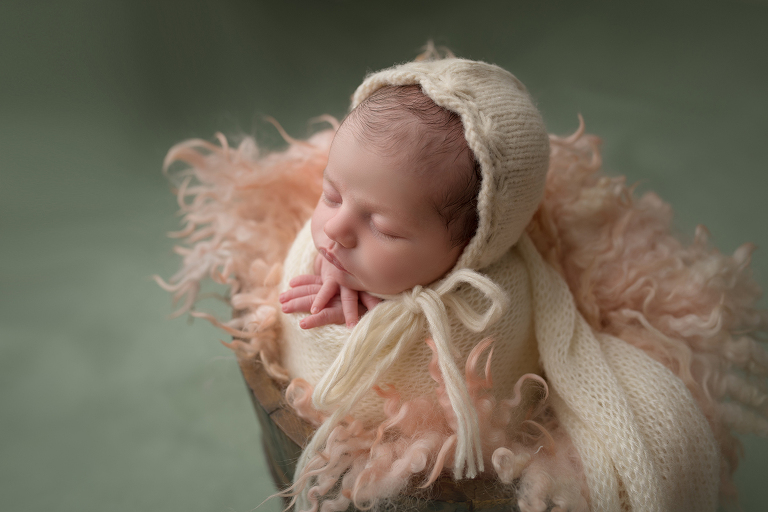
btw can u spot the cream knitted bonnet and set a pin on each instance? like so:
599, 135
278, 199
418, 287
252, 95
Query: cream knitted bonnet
504, 130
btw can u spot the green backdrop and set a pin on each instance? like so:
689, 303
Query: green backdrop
106, 405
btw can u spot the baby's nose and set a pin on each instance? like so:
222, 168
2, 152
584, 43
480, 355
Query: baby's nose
340, 231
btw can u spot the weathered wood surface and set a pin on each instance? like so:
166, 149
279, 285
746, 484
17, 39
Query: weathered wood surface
284, 434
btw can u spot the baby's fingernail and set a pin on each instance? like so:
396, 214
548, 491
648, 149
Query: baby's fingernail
303, 324
313, 309
285, 308
350, 325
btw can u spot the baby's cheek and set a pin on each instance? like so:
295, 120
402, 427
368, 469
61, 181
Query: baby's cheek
391, 269
392, 273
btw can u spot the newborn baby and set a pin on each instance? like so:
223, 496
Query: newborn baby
399, 204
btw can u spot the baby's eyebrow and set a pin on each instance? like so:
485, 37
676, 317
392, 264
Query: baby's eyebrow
363, 202
330, 180
371, 206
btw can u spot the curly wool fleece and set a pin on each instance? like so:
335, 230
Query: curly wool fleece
690, 310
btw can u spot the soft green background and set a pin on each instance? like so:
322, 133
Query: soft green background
108, 406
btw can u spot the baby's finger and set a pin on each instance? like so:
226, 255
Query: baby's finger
299, 305
368, 300
349, 306
299, 291
305, 279
325, 317
326, 293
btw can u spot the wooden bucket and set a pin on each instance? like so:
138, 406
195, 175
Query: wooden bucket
284, 435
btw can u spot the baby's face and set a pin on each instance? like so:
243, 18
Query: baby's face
375, 221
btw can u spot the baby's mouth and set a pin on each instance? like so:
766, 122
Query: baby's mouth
332, 259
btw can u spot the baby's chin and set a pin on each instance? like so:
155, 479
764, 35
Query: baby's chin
354, 283
348, 280
381, 289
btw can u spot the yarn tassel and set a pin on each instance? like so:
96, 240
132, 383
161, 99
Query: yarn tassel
383, 335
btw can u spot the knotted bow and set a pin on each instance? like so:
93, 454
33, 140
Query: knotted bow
385, 333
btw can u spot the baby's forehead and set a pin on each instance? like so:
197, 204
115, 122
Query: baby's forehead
407, 138
415, 148
400, 146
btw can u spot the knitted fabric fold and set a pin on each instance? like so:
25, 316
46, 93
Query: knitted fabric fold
624, 411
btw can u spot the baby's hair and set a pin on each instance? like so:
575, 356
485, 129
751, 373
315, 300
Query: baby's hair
387, 120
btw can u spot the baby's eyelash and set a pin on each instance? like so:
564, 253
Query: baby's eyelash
327, 200
381, 235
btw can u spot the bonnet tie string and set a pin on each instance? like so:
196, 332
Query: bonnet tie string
385, 333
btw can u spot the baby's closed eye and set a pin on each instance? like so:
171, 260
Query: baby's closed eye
381, 233
331, 199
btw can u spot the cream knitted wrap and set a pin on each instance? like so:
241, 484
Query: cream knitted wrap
643, 441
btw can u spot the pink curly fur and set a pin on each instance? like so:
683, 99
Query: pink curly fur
689, 307
241, 211
416, 442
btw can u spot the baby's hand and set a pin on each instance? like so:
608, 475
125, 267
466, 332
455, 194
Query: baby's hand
327, 302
